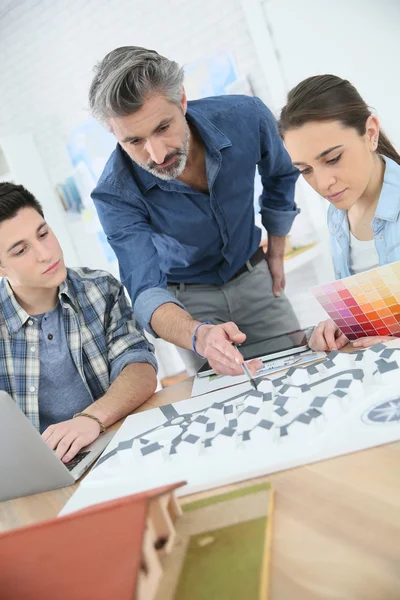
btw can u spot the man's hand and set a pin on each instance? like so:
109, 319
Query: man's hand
275, 265
366, 342
215, 343
327, 336
68, 437
274, 257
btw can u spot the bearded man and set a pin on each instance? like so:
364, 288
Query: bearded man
176, 201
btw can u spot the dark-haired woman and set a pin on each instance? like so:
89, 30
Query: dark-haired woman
337, 144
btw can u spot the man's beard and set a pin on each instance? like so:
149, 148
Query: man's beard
177, 167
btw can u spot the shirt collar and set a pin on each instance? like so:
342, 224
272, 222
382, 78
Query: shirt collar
214, 140
15, 316
388, 207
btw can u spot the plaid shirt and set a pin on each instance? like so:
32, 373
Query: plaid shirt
100, 328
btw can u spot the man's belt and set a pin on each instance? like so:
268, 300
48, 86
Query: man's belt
257, 257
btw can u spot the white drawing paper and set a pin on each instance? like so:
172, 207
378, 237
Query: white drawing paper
346, 403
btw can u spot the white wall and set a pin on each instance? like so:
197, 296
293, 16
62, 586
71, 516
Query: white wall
355, 39
48, 49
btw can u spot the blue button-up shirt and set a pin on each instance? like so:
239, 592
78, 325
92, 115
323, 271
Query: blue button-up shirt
167, 231
385, 225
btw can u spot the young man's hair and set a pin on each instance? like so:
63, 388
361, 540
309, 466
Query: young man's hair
13, 198
127, 76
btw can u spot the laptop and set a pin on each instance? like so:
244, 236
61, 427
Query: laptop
27, 463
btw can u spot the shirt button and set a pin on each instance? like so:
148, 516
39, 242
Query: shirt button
50, 336
32, 388
378, 220
33, 349
30, 322
340, 235
381, 237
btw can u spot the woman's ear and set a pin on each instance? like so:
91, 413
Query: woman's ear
372, 132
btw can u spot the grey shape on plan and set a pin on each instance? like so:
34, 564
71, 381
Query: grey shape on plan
308, 416
312, 370
228, 410
228, 431
253, 410
281, 400
319, 401
283, 431
169, 411
281, 411
150, 449
385, 367
328, 364
339, 393
201, 419
284, 388
265, 424
387, 353
191, 439
343, 383
126, 445
377, 348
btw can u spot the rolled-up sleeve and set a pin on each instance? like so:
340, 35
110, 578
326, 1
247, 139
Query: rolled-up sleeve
125, 223
148, 301
277, 206
126, 342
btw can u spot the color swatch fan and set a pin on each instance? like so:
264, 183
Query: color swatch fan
365, 304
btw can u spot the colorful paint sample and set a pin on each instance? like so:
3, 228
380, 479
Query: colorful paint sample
365, 304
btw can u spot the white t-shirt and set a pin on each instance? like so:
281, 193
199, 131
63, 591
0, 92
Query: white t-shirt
363, 255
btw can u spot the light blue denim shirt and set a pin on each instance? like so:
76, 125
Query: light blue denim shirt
385, 225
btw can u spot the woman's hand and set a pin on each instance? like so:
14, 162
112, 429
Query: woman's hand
366, 342
327, 336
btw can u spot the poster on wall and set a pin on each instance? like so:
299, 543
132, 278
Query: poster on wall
89, 147
214, 76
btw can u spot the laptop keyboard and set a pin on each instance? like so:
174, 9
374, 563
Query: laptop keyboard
76, 460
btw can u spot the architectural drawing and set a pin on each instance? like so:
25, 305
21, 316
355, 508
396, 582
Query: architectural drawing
346, 403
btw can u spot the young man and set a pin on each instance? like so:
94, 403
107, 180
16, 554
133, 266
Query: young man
71, 354
176, 202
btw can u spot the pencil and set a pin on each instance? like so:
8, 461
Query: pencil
247, 372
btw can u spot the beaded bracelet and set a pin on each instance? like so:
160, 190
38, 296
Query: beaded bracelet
85, 414
194, 337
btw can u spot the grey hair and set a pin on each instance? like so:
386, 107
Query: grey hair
127, 76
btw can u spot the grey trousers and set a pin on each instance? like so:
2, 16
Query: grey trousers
247, 300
